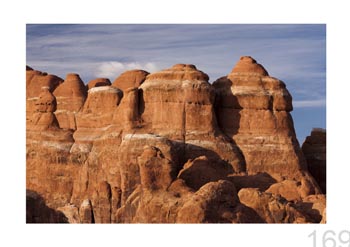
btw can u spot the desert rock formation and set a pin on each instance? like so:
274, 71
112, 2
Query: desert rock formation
130, 78
166, 147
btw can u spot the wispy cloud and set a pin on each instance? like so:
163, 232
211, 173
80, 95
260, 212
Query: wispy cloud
114, 68
309, 103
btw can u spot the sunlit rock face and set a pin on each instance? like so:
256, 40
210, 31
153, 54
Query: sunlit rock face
166, 147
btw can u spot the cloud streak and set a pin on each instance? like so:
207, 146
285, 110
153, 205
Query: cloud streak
309, 103
114, 68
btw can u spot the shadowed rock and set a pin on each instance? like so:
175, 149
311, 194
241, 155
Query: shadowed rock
314, 149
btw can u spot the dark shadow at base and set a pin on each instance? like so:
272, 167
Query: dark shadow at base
38, 212
261, 181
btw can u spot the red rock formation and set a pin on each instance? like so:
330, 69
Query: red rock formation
130, 79
253, 109
314, 206
70, 96
35, 81
168, 148
248, 65
271, 208
99, 82
178, 103
201, 171
210, 204
48, 147
314, 149
43, 118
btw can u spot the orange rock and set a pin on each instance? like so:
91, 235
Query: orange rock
212, 203
200, 171
70, 96
156, 171
168, 147
248, 65
179, 103
85, 212
71, 212
130, 78
315, 207
35, 80
98, 82
293, 190
43, 118
253, 109
272, 209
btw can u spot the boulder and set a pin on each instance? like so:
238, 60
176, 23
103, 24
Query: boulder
200, 171
212, 203
271, 208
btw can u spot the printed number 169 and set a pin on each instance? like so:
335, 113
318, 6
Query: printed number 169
331, 238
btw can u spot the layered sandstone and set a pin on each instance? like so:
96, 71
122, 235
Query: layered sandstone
70, 96
168, 147
35, 81
178, 103
254, 110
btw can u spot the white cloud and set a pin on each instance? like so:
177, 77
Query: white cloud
309, 103
114, 68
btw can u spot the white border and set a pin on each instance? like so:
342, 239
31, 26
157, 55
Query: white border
15, 14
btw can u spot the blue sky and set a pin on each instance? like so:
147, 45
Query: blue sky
295, 54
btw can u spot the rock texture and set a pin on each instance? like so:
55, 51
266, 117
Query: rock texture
314, 149
130, 79
253, 109
98, 82
70, 96
166, 147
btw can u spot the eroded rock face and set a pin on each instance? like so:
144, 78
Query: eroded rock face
43, 117
271, 208
201, 171
314, 149
70, 96
167, 147
35, 81
253, 109
178, 103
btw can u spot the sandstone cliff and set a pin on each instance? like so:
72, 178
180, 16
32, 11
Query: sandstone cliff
166, 147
